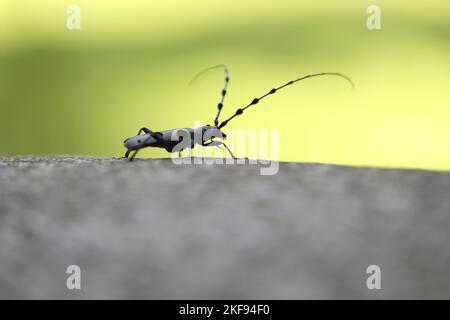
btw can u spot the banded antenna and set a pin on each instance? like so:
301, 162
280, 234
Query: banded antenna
224, 90
239, 111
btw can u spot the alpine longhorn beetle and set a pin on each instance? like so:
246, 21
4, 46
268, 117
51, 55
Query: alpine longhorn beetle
166, 139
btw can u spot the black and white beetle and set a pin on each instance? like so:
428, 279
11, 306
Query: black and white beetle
165, 139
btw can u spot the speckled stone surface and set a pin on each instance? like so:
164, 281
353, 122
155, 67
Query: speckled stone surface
153, 229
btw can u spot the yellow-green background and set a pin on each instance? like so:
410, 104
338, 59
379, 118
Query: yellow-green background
84, 91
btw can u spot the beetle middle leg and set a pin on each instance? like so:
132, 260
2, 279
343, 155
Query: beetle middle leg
179, 152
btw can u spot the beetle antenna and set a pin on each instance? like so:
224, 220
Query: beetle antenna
224, 90
256, 100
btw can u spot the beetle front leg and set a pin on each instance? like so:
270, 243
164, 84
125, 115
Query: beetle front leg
215, 143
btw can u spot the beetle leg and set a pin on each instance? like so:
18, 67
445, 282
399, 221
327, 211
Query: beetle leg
146, 130
134, 155
214, 143
231, 153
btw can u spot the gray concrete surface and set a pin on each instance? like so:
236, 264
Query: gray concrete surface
152, 229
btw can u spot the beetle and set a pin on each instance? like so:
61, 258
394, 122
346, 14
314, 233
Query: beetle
175, 140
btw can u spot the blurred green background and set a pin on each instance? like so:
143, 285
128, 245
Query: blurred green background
84, 91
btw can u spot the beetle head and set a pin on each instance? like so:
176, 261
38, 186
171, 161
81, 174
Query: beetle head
209, 132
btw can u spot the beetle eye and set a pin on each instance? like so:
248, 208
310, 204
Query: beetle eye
139, 141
